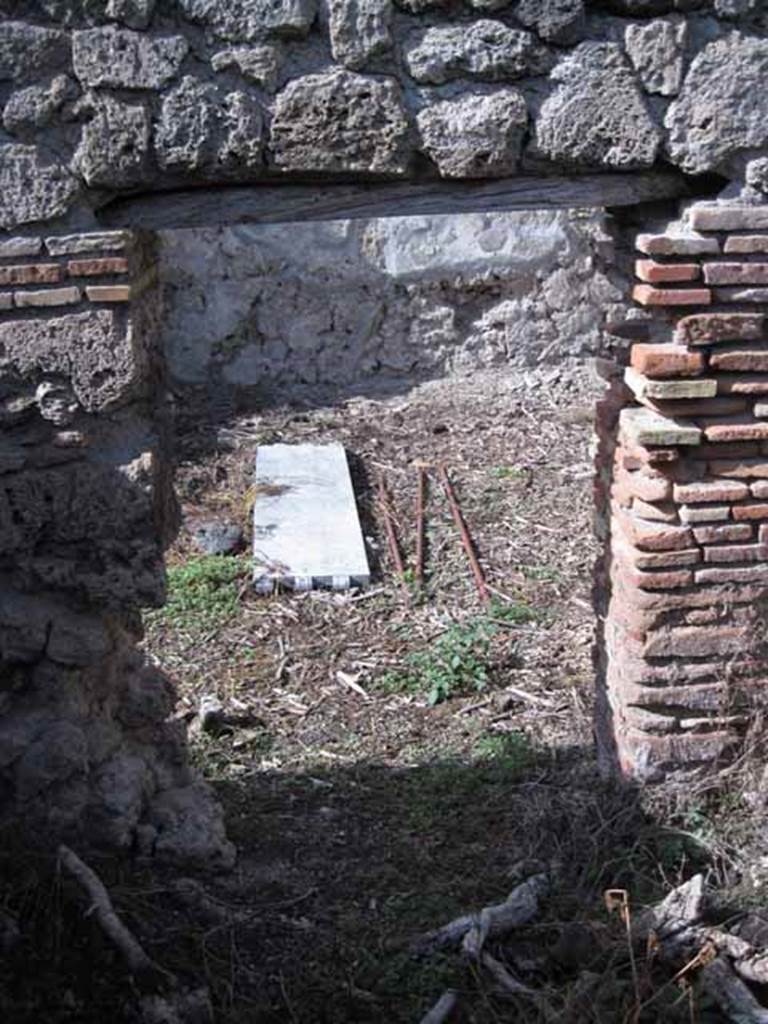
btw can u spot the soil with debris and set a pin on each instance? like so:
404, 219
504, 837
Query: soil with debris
394, 757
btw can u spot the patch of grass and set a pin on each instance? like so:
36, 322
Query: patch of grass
457, 661
545, 573
510, 750
508, 473
203, 593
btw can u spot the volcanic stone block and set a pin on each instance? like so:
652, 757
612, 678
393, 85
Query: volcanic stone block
557, 21
657, 51
340, 121
360, 30
597, 116
114, 144
245, 21
475, 136
259, 64
31, 188
122, 59
713, 96
487, 50
25, 49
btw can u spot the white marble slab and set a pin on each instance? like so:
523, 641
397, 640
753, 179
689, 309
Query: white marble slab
306, 529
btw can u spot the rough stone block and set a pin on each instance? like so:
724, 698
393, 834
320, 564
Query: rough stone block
484, 49
657, 51
666, 361
259, 64
121, 59
114, 143
597, 116
340, 121
659, 273
93, 241
647, 295
12, 248
31, 187
710, 328
25, 49
475, 136
360, 30
557, 21
246, 21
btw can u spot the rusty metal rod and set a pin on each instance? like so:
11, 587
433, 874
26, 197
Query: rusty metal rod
421, 496
466, 539
389, 526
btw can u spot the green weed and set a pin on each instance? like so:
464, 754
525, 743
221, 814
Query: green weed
204, 592
457, 661
511, 751
508, 473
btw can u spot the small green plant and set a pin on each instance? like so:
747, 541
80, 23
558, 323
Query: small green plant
508, 473
541, 572
203, 592
457, 660
510, 751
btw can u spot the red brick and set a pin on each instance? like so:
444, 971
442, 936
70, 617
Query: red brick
646, 487
656, 537
743, 469
725, 592
728, 218
759, 489
634, 457
746, 243
721, 450
666, 361
710, 490
724, 533
109, 292
657, 513
736, 553
677, 245
666, 559
750, 359
742, 384
94, 267
735, 429
762, 533
33, 273
690, 514
656, 580
697, 641
698, 697
656, 273
733, 574
693, 407
647, 295
741, 512
710, 328
649, 758
736, 273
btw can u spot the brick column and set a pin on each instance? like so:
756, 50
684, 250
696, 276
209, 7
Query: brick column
87, 748
686, 658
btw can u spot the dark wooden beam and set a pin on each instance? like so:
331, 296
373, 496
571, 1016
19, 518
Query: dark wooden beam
272, 203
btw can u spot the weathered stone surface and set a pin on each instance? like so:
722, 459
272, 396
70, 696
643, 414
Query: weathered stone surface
360, 30
340, 121
487, 50
121, 59
32, 189
657, 51
114, 144
249, 20
26, 50
756, 175
558, 21
475, 136
259, 64
190, 828
133, 13
218, 536
202, 130
723, 107
35, 107
596, 117
104, 364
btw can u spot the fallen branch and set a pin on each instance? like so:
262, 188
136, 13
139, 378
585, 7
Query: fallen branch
389, 526
520, 907
466, 539
161, 999
442, 1009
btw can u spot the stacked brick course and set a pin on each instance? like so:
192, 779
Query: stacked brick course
685, 637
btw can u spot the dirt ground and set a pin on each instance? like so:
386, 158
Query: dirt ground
364, 814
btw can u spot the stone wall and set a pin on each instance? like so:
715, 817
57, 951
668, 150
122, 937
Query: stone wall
103, 97
386, 300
